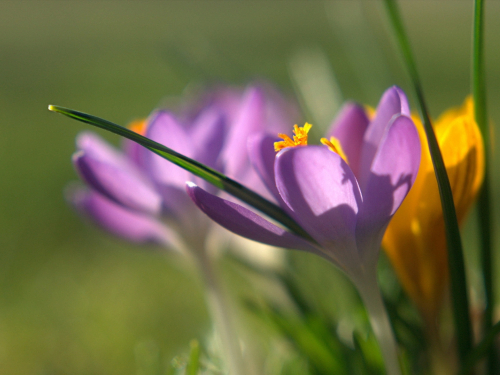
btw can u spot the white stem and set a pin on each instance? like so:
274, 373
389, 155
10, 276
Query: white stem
370, 294
221, 317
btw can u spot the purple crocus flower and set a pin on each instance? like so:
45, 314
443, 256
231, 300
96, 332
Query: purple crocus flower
138, 196
344, 206
343, 195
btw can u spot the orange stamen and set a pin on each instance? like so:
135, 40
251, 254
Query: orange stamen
299, 138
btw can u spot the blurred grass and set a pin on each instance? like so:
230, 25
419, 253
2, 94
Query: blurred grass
72, 299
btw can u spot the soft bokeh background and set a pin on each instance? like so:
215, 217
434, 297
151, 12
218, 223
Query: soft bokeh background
76, 301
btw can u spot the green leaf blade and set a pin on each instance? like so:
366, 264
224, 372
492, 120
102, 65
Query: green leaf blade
485, 219
208, 174
458, 281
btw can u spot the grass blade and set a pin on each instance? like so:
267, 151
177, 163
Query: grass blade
193, 365
484, 201
458, 282
482, 349
212, 176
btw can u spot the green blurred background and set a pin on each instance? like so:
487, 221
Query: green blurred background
74, 300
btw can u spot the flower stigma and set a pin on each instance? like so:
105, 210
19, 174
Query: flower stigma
299, 138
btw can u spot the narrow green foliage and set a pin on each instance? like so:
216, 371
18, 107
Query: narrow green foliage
458, 282
481, 350
314, 335
484, 201
208, 174
193, 365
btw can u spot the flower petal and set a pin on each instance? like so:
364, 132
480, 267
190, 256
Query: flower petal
121, 222
165, 129
207, 134
321, 190
250, 120
262, 155
463, 152
392, 103
391, 177
244, 222
349, 128
109, 172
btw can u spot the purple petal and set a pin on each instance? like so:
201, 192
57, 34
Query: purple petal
207, 134
280, 112
165, 129
134, 151
126, 224
392, 103
109, 172
244, 222
349, 128
262, 155
250, 120
392, 175
322, 192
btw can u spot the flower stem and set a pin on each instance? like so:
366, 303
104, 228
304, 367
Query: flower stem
221, 317
379, 320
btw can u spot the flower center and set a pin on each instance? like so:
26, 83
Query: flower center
299, 138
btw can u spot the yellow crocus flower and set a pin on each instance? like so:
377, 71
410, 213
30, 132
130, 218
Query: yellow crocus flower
415, 239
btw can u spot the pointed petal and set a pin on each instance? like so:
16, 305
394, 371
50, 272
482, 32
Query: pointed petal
207, 134
165, 129
262, 155
322, 191
281, 112
391, 177
349, 128
112, 174
392, 103
461, 143
129, 225
250, 120
244, 222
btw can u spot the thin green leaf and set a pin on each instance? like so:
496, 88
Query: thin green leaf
480, 350
484, 201
193, 365
208, 174
458, 282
